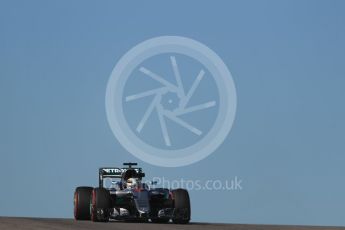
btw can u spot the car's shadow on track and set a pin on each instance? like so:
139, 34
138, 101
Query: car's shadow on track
149, 222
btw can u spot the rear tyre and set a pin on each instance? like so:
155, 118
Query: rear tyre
100, 205
181, 206
82, 196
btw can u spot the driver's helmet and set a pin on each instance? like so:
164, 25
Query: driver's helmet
132, 183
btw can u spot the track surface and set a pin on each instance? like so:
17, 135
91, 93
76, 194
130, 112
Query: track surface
9, 223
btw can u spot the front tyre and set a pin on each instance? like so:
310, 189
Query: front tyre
100, 205
182, 209
82, 196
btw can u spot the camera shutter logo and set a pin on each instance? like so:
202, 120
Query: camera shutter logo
170, 101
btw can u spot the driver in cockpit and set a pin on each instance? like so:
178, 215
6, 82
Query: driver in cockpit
132, 183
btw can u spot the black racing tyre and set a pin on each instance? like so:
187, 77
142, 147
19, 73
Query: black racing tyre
182, 210
100, 205
82, 196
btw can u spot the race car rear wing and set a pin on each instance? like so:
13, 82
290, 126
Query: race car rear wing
113, 172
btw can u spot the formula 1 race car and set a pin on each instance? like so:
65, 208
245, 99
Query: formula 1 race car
122, 195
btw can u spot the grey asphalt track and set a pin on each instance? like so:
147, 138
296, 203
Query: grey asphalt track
9, 223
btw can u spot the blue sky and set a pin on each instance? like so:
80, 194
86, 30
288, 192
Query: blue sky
286, 144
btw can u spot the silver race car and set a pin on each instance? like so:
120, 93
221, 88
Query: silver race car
122, 195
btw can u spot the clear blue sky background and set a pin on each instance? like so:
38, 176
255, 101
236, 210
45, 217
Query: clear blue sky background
287, 143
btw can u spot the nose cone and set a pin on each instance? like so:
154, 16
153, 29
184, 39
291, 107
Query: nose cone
142, 202
143, 214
